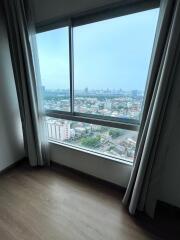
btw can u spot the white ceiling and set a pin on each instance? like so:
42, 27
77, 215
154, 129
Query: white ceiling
49, 9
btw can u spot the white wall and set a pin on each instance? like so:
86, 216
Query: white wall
11, 139
106, 169
50, 9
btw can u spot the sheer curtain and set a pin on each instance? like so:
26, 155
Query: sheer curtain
160, 82
21, 34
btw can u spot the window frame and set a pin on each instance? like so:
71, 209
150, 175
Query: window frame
102, 13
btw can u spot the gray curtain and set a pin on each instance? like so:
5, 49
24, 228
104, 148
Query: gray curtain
21, 35
164, 59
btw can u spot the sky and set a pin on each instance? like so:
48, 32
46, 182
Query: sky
109, 54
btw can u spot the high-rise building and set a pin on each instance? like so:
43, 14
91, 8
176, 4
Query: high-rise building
59, 130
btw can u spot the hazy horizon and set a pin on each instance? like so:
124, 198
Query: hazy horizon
105, 89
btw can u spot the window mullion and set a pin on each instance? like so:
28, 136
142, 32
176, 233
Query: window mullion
71, 68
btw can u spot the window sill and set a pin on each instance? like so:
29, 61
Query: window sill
91, 152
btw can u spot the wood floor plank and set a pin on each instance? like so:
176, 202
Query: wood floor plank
48, 204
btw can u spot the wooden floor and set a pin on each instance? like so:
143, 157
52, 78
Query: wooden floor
57, 204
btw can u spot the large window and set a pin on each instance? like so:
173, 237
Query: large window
94, 74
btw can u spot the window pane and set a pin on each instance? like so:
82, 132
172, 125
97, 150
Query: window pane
53, 49
111, 60
115, 142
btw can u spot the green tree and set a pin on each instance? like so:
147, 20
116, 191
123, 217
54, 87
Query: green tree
114, 133
91, 142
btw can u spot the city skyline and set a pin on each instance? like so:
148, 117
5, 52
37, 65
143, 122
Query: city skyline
86, 89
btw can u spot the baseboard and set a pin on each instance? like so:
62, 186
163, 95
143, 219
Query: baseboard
15, 164
163, 207
57, 166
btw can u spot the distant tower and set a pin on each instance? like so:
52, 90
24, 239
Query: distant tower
86, 90
134, 93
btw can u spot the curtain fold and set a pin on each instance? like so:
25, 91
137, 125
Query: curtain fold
21, 34
160, 82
